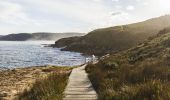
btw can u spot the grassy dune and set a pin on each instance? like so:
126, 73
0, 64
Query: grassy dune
49, 88
140, 73
34, 83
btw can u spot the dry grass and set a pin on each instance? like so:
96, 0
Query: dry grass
145, 81
140, 73
50, 87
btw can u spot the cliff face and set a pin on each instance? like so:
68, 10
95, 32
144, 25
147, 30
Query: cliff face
37, 36
113, 39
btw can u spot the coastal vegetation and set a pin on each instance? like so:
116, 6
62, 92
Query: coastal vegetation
34, 83
50, 88
136, 67
114, 39
139, 73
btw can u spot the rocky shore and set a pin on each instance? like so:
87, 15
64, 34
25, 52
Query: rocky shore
14, 82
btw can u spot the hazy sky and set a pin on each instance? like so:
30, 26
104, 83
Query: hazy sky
75, 15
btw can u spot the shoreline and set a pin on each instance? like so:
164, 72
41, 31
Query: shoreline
38, 66
14, 82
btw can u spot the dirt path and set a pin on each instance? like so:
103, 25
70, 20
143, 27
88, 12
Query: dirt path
79, 86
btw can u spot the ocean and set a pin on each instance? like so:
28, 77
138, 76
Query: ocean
15, 54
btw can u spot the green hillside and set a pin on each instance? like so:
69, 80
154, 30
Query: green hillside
139, 73
113, 39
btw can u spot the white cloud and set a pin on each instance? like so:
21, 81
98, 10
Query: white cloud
97, 0
116, 0
130, 7
87, 13
10, 11
74, 15
13, 13
118, 7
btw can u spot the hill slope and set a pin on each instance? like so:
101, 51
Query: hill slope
140, 73
37, 36
113, 39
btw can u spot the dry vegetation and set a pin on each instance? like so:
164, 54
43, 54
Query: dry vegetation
140, 73
34, 83
50, 88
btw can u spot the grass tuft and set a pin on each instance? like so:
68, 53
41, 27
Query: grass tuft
49, 88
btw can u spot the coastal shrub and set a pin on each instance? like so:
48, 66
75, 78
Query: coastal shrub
50, 88
143, 72
147, 80
167, 43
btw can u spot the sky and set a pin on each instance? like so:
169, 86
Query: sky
18, 16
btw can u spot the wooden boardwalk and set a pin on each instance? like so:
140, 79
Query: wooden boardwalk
79, 86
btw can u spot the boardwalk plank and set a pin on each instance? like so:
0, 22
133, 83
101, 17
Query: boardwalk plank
79, 86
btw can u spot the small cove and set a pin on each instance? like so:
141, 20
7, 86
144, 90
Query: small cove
15, 54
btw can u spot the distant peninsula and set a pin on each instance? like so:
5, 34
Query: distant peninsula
37, 36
